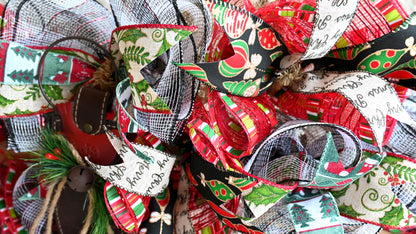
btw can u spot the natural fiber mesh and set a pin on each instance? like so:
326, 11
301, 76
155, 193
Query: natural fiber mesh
177, 88
39, 23
352, 226
275, 220
293, 155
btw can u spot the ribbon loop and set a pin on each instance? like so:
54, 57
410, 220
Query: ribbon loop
145, 172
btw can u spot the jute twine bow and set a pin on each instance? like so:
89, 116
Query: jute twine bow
102, 77
287, 78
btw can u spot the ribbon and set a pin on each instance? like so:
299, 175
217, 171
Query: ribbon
126, 209
391, 55
250, 70
232, 127
63, 70
164, 112
282, 162
363, 90
384, 196
305, 219
132, 46
144, 171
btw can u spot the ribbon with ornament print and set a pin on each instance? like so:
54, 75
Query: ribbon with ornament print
20, 93
220, 186
161, 213
131, 44
128, 209
383, 197
250, 71
299, 153
390, 56
315, 155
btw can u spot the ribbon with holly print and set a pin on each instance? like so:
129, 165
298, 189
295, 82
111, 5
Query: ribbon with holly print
305, 154
384, 197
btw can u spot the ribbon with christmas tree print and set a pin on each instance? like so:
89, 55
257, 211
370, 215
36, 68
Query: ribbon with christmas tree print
63, 70
304, 215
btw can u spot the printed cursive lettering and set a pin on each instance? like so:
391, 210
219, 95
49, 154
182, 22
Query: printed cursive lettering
339, 3
360, 102
116, 173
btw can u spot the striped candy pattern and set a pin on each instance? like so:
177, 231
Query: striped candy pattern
127, 209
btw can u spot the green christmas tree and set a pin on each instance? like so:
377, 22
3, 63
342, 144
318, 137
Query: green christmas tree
328, 209
26, 53
301, 215
24, 76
